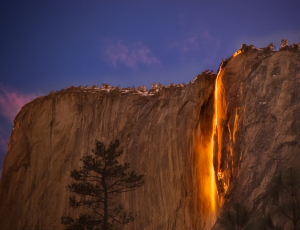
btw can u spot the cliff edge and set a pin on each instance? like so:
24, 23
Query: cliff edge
157, 133
244, 123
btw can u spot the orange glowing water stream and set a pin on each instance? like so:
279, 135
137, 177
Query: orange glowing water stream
214, 132
214, 179
214, 201
218, 177
219, 119
219, 115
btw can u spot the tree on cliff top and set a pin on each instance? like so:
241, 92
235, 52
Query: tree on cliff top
284, 42
97, 184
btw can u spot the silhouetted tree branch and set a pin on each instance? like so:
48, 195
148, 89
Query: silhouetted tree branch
97, 183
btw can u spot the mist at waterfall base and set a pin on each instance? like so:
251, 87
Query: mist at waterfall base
51, 45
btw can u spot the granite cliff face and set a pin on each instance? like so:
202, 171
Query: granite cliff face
260, 122
199, 145
157, 131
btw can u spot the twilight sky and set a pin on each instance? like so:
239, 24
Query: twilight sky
51, 44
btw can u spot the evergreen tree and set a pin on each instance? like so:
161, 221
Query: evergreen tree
97, 184
284, 42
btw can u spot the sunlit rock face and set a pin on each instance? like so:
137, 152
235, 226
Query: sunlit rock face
199, 145
159, 133
260, 125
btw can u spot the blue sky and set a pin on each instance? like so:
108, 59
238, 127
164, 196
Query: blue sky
49, 44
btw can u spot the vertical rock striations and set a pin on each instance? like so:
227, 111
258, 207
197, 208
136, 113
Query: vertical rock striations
260, 124
247, 125
157, 131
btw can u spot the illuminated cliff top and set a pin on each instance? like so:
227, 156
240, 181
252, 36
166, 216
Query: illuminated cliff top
141, 90
158, 89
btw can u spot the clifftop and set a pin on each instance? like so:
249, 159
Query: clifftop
167, 134
159, 88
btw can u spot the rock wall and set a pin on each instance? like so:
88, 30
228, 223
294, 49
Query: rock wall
157, 131
261, 122
165, 134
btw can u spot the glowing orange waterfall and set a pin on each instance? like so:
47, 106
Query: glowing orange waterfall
208, 199
216, 150
216, 142
213, 181
219, 102
224, 130
216, 131
220, 113
207, 185
219, 116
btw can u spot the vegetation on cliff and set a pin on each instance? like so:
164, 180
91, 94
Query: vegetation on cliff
97, 184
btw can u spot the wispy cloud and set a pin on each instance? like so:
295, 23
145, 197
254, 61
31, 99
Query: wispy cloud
197, 42
185, 45
201, 42
130, 56
211, 46
11, 101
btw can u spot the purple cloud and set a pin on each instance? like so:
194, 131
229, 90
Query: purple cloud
199, 41
213, 43
131, 57
185, 45
202, 42
11, 101
205, 34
